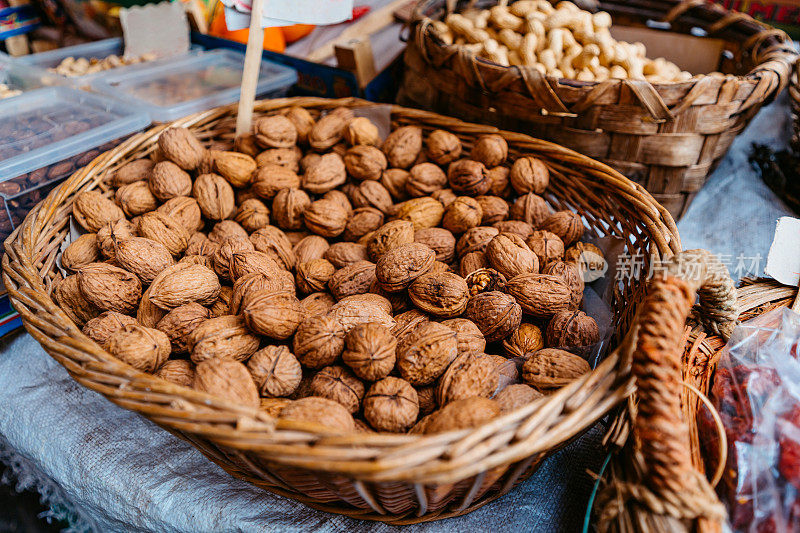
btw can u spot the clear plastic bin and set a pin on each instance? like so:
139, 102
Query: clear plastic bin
46, 134
20, 77
181, 86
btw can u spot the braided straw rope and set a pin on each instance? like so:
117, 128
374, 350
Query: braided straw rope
667, 136
395, 478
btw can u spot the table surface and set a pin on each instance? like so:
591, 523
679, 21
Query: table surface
104, 468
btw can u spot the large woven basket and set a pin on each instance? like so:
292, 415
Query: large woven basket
395, 478
667, 136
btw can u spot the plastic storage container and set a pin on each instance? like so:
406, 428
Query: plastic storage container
46, 134
178, 87
20, 77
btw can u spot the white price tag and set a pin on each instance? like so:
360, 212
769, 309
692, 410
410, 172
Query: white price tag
287, 12
783, 261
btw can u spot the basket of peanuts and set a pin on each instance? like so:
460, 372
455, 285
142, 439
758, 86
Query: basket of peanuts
592, 80
374, 310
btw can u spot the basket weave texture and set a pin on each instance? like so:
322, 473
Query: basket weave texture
395, 478
666, 136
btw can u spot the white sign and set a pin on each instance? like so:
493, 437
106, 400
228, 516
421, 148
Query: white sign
288, 12
160, 29
783, 261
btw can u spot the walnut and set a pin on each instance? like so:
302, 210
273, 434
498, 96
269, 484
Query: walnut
136, 198
371, 193
421, 212
325, 174
222, 257
425, 179
462, 414
309, 248
185, 210
284, 157
370, 351
179, 323
273, 242
443, 295
588, 258
316, 304
515, 396
424, 354
341, 254
496, 314
225, 337
145, 349
468, 177
275, 370
500, 183
491, 150
215, 196
546, 245
321, 412
144, 257
252, 214
364, 162
235, 167
227, 229
518, 227
401, 265
571, 330
180, 146
339, 384
509, 255
565, 224
403, 146
471, 262
326, 218
255, 282
470, 375
131, 172
407, 322
526, 339
223, 304
443, 147
100, 328
81, 252
274, 406
228, 380
532, 209
319, 341
551, 368
288, 208
389, 236
92, 210
308, 160
394, 179
276, 131
355, 278
391, 405
271, 179
444, 197
273, 314
427, 399
313, 276
494, 209
529, 174
326, 132
200, 244
68, 296
340, 199
302, 120
440, 240
177, 371
109, 288
361, 130
540, 295
363, 220
463, 214
468, 336
485, 280
243, 263
475, 240
571, 275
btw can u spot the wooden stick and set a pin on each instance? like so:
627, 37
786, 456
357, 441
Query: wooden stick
252, 67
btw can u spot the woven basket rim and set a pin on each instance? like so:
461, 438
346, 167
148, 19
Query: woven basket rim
244, 429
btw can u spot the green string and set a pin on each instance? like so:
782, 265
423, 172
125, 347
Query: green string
587, 518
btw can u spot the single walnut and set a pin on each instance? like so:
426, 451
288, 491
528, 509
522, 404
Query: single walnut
394, 179
276, 131
371, 193
391, 405
69, 298
470, 375
224, 254
444, 197
326, 218
275, 370
228, 380
227, 229
550, 369
222, 306
310, 248
302, 120
443, 147
355, 278
389, 236
475, 240
468, 177
148, 314
571, 330
167, 180
81, 252
463, 214
225, 337
364, 162
215, 196
515, 396
341, 254
288, 208
571, 275
183, 283
491, 150
540, 295
468, 336
319, 341
472, 262
529, 174
494, 209
440, 240
337, 383
177, 371
547, 246
165, 230
136, 198
180, 146
425, 179
313, 276
421, 212
407, 322
317, 304
485, 280
270, 179
255, 282
500, 183
144, 257
320, 412
179, 323
403, 146
496, 314
370, 351
252, 214
517, 227
326, 132
283, 157
401, 265
100, 328
136, 170
309, 159
526, 339
273, 314
443, 295
274, 243
532, 209
109, 288
565, 224
145, 349
509, 255
462, 414
351, 311
361, 130
363, 221
326, 174
200, 244
92, 210
341, 199
427, 399
587, 257
185, 210
424, 354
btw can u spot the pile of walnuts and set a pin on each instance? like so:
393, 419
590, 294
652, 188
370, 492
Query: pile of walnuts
331, 278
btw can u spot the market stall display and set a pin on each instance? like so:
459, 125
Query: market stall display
422, 488
666, 135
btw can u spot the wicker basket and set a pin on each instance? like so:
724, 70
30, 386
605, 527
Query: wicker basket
668, 136
794, 96
394, 478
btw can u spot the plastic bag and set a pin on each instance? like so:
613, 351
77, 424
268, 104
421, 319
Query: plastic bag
757, 394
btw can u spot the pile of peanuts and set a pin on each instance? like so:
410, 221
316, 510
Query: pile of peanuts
72, 67
562, 41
